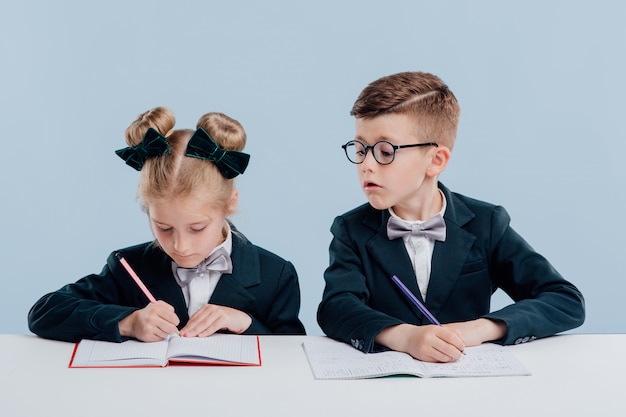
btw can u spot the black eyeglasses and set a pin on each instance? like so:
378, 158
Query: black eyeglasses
384, 151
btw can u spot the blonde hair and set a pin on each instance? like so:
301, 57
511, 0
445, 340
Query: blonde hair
175, 175
419, 94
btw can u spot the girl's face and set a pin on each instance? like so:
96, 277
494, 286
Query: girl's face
187, 228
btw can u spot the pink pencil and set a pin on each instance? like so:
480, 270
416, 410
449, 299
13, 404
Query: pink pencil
136, 278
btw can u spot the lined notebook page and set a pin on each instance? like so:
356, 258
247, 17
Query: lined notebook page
94, 352
224, 347
487, 359
335, 360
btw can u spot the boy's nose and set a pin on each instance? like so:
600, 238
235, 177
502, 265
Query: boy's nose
369, 162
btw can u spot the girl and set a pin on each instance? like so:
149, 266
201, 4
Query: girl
206, 275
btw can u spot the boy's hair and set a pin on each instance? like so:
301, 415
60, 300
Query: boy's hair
421, 95
176, 175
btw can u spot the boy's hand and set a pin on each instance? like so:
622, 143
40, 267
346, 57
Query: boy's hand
478, 331
428, 343
210, 318
152, 323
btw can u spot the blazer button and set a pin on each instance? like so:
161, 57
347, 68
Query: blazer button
357, 343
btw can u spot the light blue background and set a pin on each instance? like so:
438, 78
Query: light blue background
541, 86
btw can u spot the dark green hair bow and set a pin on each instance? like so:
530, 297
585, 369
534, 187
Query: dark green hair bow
230, 163
153, 144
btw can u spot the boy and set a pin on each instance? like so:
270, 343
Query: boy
406, 126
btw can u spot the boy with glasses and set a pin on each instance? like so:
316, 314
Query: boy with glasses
447, 253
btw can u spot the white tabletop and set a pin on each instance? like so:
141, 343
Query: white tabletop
572, 375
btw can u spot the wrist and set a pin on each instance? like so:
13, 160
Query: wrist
491, 330
394, 337
126, 325
247, 322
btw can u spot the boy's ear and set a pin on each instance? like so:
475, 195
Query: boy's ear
439, 161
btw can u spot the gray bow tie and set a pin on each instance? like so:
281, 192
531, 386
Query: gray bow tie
434, 228
218, 261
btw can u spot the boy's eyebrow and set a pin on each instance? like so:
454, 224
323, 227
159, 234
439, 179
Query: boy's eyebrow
360, 138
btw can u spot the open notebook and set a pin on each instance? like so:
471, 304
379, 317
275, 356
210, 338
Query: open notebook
330, 359
218, 349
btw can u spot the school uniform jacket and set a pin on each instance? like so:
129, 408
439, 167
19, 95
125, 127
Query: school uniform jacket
261, 284
480, 254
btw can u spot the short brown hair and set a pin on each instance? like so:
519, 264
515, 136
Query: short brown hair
419, 94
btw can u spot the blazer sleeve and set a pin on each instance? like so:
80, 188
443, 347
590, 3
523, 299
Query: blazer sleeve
544, 302
87, 309
344, 312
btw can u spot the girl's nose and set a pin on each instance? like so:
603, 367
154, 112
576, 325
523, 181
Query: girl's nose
181, 245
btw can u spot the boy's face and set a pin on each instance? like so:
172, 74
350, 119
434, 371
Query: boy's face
408, 183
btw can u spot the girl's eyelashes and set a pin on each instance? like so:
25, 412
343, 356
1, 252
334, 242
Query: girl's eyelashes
194, 229
162, 227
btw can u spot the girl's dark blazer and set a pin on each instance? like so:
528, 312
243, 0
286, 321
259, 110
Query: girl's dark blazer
481, 253
262, 284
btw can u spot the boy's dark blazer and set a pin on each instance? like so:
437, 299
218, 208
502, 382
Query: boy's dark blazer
480, 254
261, 284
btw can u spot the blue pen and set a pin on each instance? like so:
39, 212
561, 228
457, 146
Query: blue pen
417, 302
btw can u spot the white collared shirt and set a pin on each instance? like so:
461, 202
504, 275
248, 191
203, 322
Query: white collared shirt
201, 288
420, 250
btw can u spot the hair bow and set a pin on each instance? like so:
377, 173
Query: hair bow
230, 163
153, 144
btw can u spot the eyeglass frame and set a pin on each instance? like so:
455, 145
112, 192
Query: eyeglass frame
394, 147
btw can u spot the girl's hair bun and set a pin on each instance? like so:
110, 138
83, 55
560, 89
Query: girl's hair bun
160, 119
227, 132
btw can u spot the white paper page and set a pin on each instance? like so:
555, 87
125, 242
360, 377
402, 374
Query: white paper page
223, 347
484, 360
131, 352
336, 360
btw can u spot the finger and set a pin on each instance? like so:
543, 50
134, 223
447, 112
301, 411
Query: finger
171, 318
164, 305
446, 352
164, 311
153, 334
166, 329
189, 330
210, 321
452, 337
214, 327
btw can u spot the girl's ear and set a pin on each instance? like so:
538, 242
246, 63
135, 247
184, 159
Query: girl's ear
233, 202
439, 161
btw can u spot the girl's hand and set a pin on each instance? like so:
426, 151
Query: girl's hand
210, 318
152, 323
427, 343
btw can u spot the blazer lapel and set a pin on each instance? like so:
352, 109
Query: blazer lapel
384, 252
168, 289
231, 290
449, 256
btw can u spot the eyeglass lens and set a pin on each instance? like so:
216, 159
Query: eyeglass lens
383, 152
